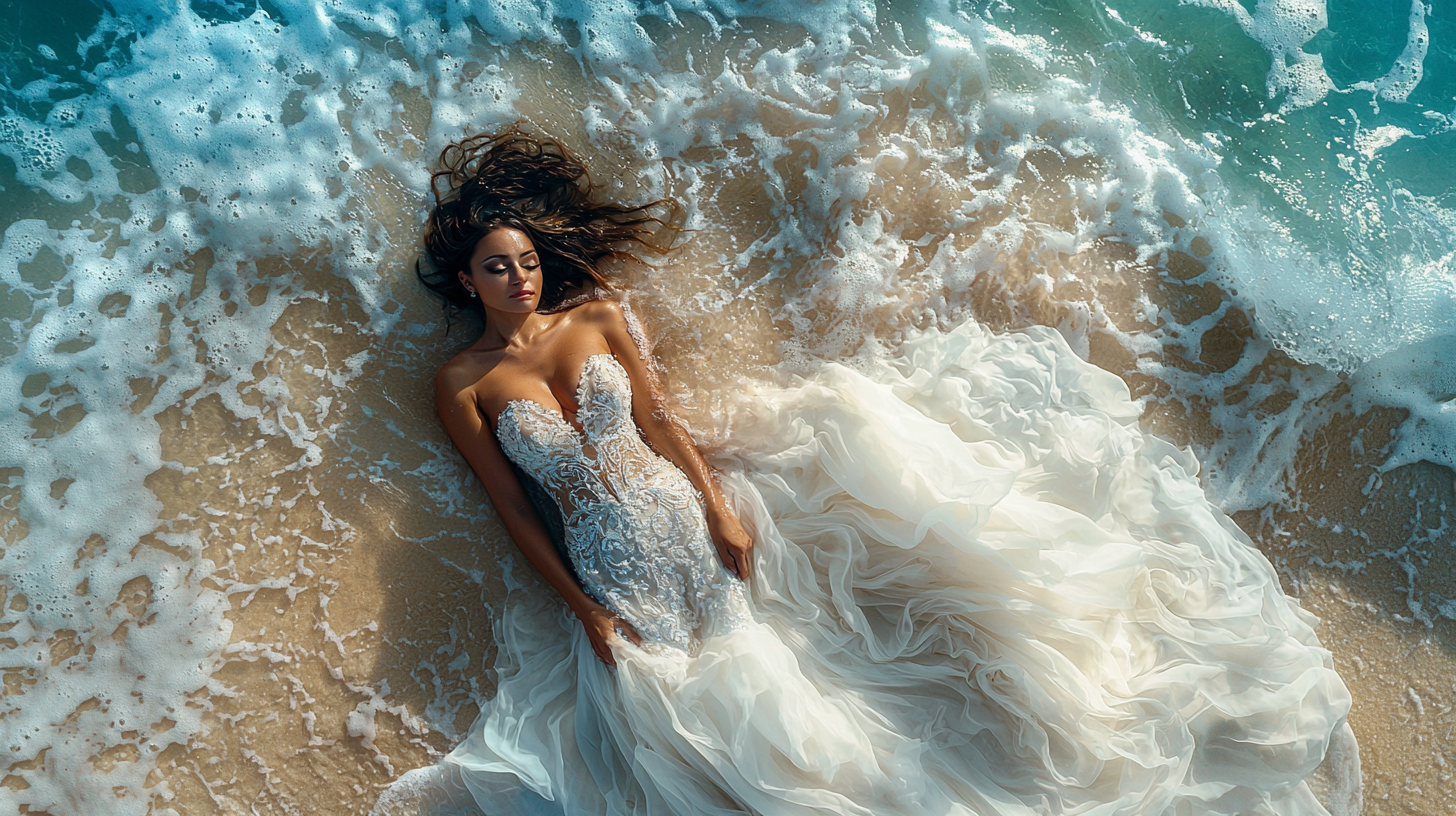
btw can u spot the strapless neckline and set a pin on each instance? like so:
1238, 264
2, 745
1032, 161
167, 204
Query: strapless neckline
558, 416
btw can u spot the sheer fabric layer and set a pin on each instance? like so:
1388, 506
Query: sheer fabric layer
633, 523
980, 589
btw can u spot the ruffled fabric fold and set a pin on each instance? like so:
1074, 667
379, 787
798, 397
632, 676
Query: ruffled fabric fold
980, 589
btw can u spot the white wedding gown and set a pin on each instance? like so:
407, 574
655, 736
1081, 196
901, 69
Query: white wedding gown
979, 589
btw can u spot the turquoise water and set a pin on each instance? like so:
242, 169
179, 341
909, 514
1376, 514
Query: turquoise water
216, 361
1358, 179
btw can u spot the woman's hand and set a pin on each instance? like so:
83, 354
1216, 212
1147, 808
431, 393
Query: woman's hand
601, 626
734, 545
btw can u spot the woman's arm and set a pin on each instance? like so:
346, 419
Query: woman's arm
670, 439
455, 401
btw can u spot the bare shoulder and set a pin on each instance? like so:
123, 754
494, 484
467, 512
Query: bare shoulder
606, 318
603, 311
463, 372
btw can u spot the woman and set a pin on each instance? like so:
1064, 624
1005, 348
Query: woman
530, 370
973, 586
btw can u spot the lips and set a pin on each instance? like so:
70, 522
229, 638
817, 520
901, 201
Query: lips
522, 295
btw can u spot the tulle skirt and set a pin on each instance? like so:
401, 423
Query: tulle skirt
979, 589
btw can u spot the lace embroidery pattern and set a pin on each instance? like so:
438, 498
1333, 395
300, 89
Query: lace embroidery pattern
634, 525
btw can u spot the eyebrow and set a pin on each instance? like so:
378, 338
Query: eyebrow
502, 255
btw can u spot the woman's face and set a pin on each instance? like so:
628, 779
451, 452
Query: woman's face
505, 271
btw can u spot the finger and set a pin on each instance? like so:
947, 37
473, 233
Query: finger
746, 558
625, 631
729, 562
740, 563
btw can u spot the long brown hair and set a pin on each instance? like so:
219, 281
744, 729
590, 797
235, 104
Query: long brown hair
534, 184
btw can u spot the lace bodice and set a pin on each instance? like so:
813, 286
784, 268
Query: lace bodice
634, 525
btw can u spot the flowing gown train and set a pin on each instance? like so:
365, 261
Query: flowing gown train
979, 589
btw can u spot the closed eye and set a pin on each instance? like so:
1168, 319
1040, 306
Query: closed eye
533, 264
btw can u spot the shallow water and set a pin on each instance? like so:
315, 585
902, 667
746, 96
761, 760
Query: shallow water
244, 571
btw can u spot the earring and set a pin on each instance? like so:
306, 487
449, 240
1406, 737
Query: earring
472, 293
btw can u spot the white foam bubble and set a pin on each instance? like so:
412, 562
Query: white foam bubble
1410, 67
1370, 142
1421, 378
1283, 27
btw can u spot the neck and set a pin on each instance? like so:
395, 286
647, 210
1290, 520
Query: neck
510, 329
